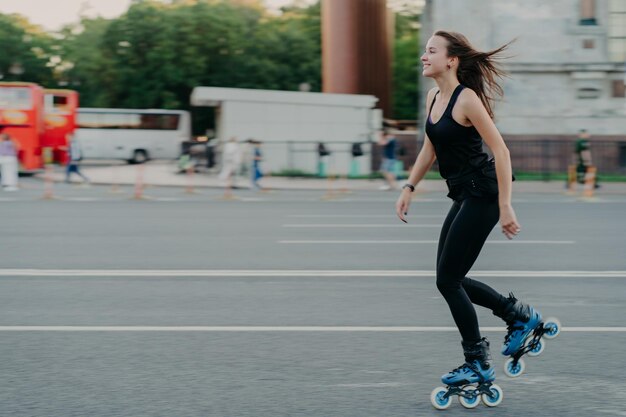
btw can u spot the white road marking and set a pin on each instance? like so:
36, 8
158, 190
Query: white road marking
360, 226
295, 273
83, 199
367, 216
339, 329
408, 242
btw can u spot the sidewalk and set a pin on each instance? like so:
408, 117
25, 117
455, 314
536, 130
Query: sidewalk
163, 174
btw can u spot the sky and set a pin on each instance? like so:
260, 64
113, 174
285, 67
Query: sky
53, 14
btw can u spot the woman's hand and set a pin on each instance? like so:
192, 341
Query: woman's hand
402, 205
508, 221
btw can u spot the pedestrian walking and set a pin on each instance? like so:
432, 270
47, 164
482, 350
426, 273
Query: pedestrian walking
231, 160
74, 156
257, 157
8, 163
459, 118
583, 158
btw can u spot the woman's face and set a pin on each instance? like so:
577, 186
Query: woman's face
435, 58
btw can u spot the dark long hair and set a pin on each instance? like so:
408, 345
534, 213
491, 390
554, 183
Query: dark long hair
477, 70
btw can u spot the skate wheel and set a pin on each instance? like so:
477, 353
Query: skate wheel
552, 326
439, 400
513, 371
495, 396
539, 347
470, 402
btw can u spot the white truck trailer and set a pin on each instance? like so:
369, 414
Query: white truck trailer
291, 124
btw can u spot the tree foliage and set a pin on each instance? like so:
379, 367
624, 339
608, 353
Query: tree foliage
405, 67
155, 53
26, 51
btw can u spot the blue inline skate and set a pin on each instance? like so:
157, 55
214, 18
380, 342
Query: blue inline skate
525, 333
471, 382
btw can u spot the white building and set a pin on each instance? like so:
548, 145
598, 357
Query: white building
291, 124
567, 68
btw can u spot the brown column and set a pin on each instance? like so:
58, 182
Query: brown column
339, 46
357, 36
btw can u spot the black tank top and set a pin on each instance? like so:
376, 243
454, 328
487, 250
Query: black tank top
459, 150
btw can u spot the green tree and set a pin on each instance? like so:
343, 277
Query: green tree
156, 53
286, 51
160, 52
405, 67
26, 51
83, 66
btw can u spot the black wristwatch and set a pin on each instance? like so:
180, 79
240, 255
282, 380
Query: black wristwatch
409, 186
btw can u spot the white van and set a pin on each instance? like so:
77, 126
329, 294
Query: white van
131, 134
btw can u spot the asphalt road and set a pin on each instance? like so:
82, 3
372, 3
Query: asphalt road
289, 304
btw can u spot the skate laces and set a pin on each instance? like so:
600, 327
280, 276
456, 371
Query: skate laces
460, 369
511, 328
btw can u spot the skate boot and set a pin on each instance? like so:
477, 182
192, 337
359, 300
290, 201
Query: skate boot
477, 366
521, 320
471, 381
525, 333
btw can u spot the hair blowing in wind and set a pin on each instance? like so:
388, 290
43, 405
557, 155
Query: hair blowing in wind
477, 70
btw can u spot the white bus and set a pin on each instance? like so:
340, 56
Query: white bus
131, 134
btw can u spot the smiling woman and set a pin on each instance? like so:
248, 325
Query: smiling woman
460, 117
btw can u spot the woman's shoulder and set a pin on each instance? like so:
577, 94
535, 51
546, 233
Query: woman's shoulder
430, 96
467, 93
468, 97
431, 93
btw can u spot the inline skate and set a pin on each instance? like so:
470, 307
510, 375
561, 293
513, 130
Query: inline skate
525, 333
471, 382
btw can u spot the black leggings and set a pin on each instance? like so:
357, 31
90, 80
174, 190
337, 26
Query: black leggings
463, 235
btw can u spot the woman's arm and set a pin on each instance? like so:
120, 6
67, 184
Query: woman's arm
426, 157
423, 162
474, 110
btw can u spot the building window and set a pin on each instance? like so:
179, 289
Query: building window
619, 88
588, 12
589, 44
617, 30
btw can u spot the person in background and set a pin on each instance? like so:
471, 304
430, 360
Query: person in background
583, 157
74, 156
8, 163
257, 157
387, 167
231, 160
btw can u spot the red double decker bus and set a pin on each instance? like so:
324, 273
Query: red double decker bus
59, 122
21, 116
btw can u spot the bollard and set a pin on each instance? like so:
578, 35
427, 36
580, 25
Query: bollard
322, 168
190, 172
115, 187
398, 167
354, 168
571, 179
344, 187
48, 184
330, 188
139, 183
